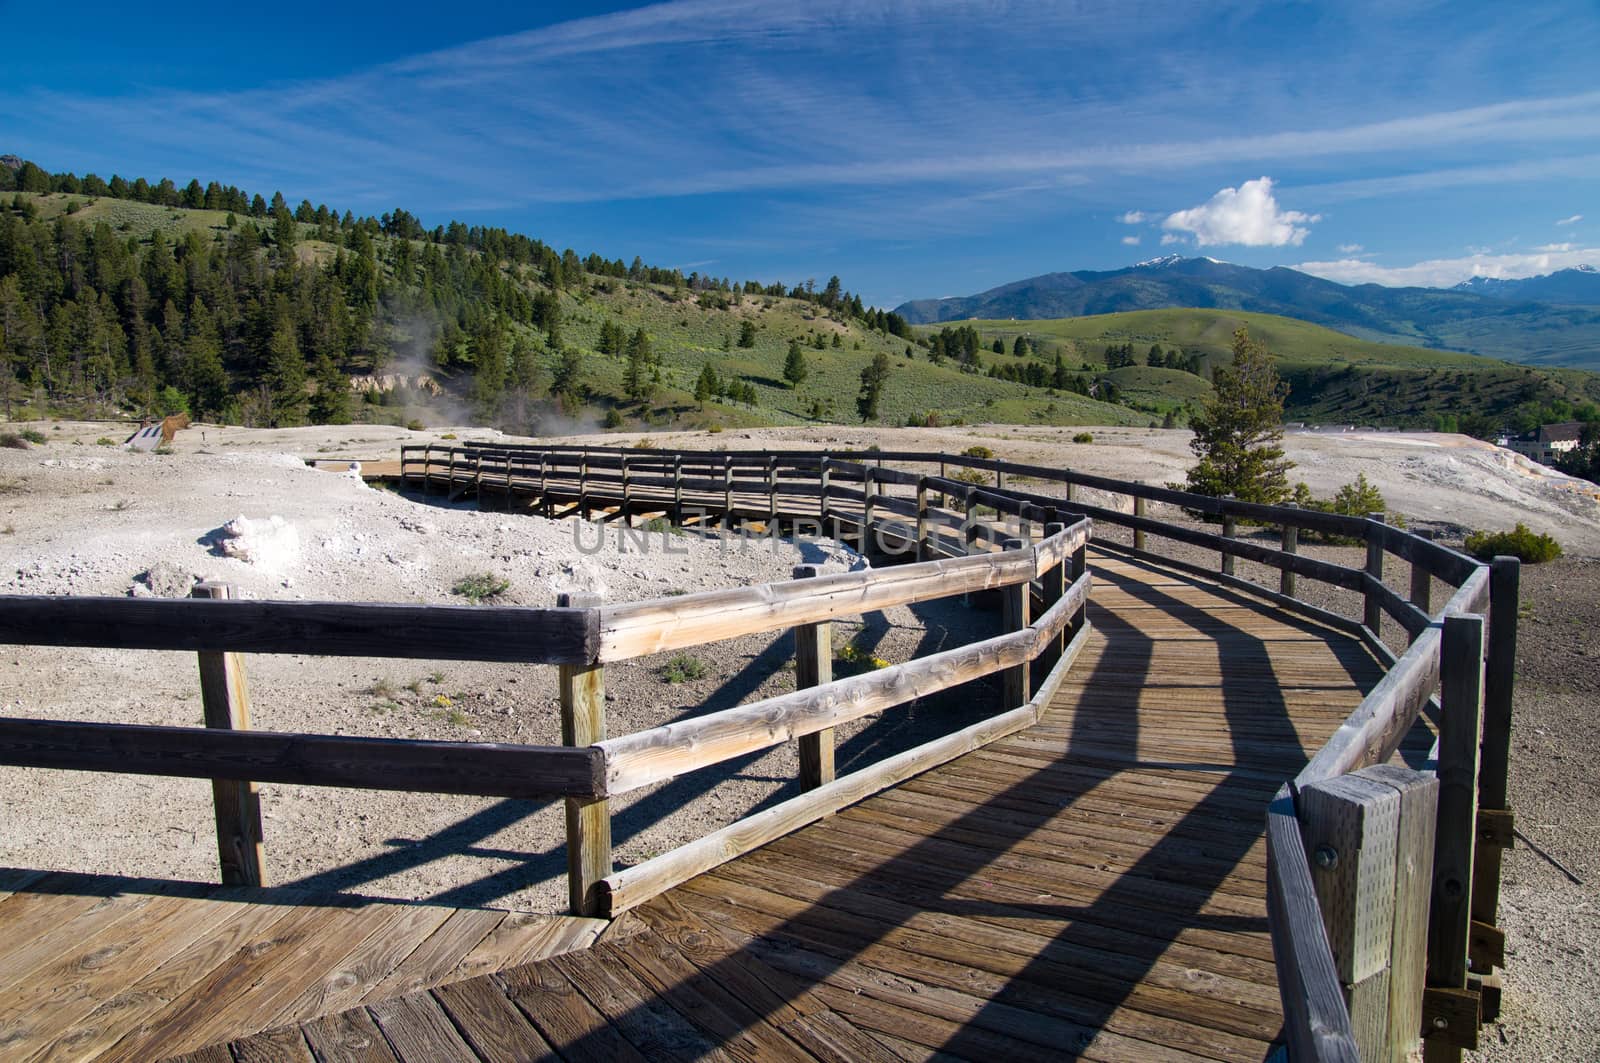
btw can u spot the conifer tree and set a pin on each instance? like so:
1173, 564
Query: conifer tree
872, 380
331, 403
795, 369
1239, 432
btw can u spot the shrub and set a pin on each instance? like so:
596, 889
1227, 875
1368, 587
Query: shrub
644, 443
978, 452
1519, 542
683, 668
480, 587
1083, 437
104, 441
33, 435
970, 476
613, 418
13, 441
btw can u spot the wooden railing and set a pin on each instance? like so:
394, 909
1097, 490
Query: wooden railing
1370, 867
1044, 587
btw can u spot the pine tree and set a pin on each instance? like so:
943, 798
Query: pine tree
1238, 434
707, 386
286, 376
331, 403
747, 333
872, 380
795, 369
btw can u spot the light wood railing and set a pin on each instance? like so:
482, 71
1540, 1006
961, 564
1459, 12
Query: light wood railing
1349, 926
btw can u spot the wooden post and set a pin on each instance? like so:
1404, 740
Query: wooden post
727, 490
508, 483
1014, 605
944, 497
226, 699
924, 545
1000, 479
970, 520
1139, 505
813, 666
677, 489
1229, 528
1053, 584
1422, 585
1494, 808
1370, 839
868, 485
1372, 614
772, 494
450, 473
583, 723
1291, 545
627, 494
427, 469
831, 530
1449, 916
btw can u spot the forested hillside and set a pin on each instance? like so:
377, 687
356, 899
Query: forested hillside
142, 298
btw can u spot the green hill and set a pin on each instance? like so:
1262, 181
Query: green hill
1332, 376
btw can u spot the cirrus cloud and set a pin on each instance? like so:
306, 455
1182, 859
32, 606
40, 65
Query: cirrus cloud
1248, 215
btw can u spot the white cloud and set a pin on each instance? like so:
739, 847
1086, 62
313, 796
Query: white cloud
1170, 238
1575, 219
1444, 272
1349, 249
1247, 215
1554, 249
1133, 217
1131, 241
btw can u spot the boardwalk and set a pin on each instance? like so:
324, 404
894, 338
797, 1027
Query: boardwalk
1093, 886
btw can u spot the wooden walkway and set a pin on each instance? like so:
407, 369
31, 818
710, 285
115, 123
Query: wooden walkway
1092, 887
95, 967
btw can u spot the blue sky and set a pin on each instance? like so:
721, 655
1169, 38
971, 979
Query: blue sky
915, 149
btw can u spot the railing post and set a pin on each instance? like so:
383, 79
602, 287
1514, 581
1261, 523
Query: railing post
583, 723
1077, 566
868, 485
924, 547
772, 495
830, 527
1370, 838
1291, 545
508, 481
813, 666
677, 490
627, 494
1139, 506
450, 474
944, 497
1052, 585
1015, 601
727, 491
226, 699
1495, 822
1446, 1028
1422, 586
1372, 614
1230, 527
999, 479
969, 522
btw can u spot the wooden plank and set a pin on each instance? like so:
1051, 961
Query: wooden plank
656, 1030
225, 696
418, 1029
813, 667
1461, 698
1374, 730
512, 634
583, 725
490, 1023
347, 984
566, 1019
440, 954
286, 1045
1350, 826
1316, 1021
485, 769
132, 1006
350, 1037
1419, 800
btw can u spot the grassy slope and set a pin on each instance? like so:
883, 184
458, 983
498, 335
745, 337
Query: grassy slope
1332, 376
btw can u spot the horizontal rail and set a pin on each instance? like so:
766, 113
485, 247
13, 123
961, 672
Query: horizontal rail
664, 752
509, 634
484, 769
625, 889
637, 629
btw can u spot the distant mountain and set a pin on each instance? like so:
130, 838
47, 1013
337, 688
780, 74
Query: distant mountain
1579, 286
1452, 319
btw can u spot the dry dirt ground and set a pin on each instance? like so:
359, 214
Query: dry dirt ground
77, 517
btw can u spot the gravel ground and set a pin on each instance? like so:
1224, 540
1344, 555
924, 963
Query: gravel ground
78, 518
